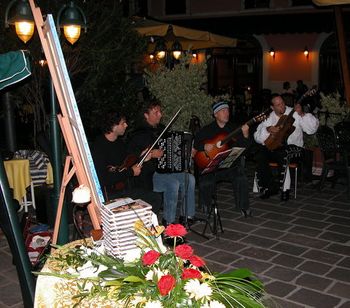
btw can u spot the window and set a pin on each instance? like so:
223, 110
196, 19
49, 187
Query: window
173, 7
256, 4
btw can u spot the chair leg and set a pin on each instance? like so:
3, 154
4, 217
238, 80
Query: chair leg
295, 182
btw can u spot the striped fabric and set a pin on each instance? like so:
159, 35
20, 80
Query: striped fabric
38, 165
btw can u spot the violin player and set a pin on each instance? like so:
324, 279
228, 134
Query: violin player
114, 168
288, 149
171, 184
235, 174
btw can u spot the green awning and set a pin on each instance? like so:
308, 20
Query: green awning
14, 67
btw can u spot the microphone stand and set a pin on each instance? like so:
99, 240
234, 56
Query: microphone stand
184, 198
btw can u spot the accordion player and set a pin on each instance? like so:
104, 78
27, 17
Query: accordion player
176, 146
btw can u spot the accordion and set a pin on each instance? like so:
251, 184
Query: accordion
177, 148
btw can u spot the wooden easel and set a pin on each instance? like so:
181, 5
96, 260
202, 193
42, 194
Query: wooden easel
79, 161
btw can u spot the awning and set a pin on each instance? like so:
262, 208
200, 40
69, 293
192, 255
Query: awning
330, 2
189, 38
14, 67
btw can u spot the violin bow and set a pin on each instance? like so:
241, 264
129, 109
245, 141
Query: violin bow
160, 136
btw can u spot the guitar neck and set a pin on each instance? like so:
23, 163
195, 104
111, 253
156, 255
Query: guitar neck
236, 131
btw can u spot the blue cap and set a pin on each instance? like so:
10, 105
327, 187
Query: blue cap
217, 106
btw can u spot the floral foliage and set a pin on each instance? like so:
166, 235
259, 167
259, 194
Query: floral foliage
334, 109
153, 276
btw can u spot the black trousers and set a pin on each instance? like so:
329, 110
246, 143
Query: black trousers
236, 175
282, 156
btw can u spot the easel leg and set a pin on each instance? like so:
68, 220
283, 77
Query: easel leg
67, 175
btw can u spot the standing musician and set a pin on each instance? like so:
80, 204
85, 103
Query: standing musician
169, 183
291, 148
114, 172
235, 174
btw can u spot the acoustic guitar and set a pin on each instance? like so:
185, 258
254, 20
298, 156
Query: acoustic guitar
221, 142
286, 128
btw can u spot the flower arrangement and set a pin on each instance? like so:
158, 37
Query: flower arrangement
334, 109
152, 276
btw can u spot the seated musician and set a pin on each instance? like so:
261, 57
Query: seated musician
290, 150
114, 171
236, 173
171, 184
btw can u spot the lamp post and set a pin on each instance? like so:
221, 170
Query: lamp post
71, 18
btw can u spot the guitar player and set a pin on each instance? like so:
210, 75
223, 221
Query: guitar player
289, 150
235, 174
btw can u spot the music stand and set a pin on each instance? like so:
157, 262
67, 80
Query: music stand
222, 160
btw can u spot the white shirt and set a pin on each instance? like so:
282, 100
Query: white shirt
307, 123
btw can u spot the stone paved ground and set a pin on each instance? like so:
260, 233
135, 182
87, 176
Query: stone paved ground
300, 249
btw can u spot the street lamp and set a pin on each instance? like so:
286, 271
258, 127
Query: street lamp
21, 17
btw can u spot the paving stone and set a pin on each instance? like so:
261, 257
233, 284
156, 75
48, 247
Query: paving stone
313, 282
314, 267
275, 302
340, 289
282, 273
269, 233
338, 220
232, 235
313, 298
311, 215
341, 249
289, 248
345, 262
339, 213
344, 305
258, 253
335, 237
276, 225
322, 256
278, 217
311, 223
255, 266
238, 226
314, 208
305, 231
201, 250
279, 288
287, 260
10, 294
217, 267
339, 228
225, 244
222, 257
340, 273
258, 241
304, 240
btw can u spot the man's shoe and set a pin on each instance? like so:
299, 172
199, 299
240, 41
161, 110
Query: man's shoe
189, 221
285, 195
247, 213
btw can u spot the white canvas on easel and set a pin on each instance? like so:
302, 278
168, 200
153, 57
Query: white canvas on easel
79, 161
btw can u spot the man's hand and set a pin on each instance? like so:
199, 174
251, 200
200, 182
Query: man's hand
157, 153
245, 130
299, 110
273, 129
136, 170
208, 147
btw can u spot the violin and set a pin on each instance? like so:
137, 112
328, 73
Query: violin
128, 162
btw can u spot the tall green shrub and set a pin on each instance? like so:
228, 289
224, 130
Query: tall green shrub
181, 86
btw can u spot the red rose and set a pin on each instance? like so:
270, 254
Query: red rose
197, 261
184, 251
174, 230
190, 273
150, 257
166, 284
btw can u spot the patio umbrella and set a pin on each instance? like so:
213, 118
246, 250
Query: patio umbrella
14, 67
330, 2
187, 37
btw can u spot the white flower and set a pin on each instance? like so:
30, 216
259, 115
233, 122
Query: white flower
154, 304
132, 255
198, 290
81, 194
155, 274
213, 304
